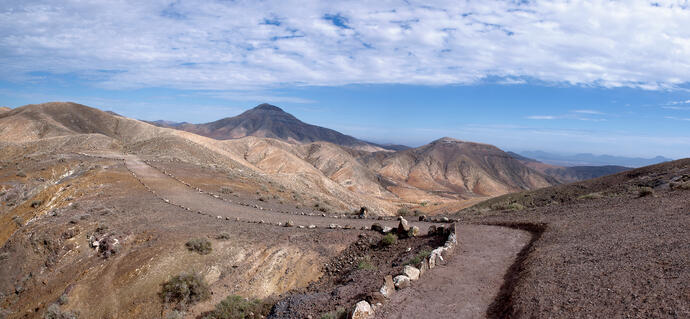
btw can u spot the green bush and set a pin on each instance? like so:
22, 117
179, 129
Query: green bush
417, 259
365, 264
389, 239
184, 290
339, 313
236, 307
199, 245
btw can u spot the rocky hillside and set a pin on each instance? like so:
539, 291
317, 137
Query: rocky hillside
267, 120
452, 166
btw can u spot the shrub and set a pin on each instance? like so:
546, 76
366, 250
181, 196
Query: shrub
18, 220
54, 312
684, 186
591, 196
184, 290
36, 203
339, 313
21, 174
365, 264
223, 236
403, 211
236, 307
63, 299
199, 245
389, 239
417, 259
645, 191
225, 190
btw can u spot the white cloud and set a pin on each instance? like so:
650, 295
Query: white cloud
238, 45
542, 117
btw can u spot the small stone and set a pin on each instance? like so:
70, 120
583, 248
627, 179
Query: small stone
411, 272
377, 227
387, 229
413, 232
362, 311
312, 226
445, 219
289, 223
388, 287
332, 226
401, 281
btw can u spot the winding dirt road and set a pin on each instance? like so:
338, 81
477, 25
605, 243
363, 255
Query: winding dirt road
462, 288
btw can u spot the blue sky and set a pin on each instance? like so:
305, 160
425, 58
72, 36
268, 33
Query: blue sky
602, 77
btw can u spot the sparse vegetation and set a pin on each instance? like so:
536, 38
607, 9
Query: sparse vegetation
403, 211
365, 264
683, 186
339, 313
18, 220
199, 245
63, 300
223, 236
591, 196
508, 206
225, 190
54, 312
21, 174
236, 307
645, 191
417, 259
389, 239
184, 290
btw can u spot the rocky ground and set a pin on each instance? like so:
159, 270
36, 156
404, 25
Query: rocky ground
615, 246
108, 232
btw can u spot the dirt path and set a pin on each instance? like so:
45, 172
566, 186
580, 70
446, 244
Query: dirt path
463, 288
468, 284
180, 194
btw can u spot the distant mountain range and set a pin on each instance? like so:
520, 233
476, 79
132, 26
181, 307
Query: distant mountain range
586, 159
268, 120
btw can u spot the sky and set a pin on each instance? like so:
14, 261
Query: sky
603, 77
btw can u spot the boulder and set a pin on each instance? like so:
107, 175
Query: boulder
422, 218
363, 212
289, 223
411, 272
362, 311
388, 287
377, 227
403, 227
401, 281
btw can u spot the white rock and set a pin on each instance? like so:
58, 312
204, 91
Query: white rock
411, 272
312, 226
401, 281
362, 311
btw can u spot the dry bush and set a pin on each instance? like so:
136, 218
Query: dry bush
199, 245
645, 191
236, 307
389, 239
184, 290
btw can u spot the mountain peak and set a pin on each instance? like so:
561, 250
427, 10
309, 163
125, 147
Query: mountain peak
268, 107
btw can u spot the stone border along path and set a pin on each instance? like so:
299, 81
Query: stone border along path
461, 287
350, 216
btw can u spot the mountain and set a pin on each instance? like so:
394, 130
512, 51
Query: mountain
449, 166
569, 174
4, 109
267, 120
586, 159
